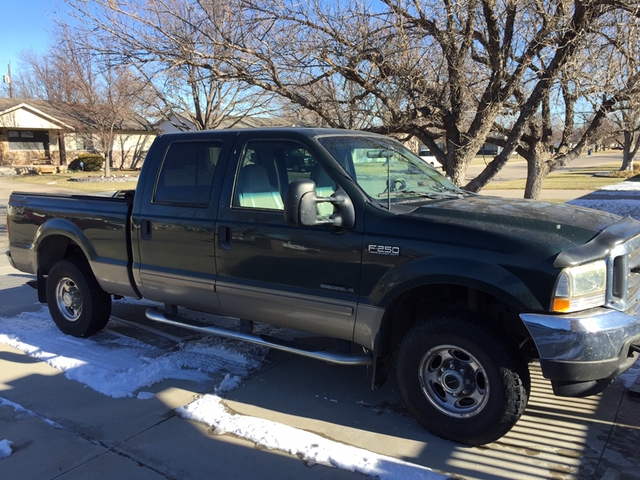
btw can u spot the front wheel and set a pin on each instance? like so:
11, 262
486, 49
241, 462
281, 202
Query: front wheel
462, 380
76, 301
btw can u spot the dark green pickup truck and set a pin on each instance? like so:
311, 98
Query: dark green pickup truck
350, 236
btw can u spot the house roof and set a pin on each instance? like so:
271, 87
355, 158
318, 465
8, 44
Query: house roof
230, 122
68, 116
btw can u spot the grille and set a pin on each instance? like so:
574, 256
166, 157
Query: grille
624, 277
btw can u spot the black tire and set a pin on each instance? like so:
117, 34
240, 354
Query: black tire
78, 305
461, 380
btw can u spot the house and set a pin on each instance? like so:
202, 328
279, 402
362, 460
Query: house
37, 132
181, 123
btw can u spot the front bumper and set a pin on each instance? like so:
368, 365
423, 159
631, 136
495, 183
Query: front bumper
582, 353
10, 258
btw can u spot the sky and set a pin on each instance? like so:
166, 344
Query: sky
119, 366
26, 25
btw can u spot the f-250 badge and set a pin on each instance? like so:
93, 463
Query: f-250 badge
384, 250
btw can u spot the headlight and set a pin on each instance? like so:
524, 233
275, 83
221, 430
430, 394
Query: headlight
581, 287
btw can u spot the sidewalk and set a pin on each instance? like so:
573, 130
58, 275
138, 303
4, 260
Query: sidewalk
547, 195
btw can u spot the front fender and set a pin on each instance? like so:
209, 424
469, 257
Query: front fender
491, 278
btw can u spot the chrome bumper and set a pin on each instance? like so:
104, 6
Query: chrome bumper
10, 258
582, 353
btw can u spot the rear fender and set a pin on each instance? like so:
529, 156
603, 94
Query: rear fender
52, 240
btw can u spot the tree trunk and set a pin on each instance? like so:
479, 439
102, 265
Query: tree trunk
537, 171
627, 154
488, 173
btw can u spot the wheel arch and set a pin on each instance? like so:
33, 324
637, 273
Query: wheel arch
492, 306
489, 277
57, 240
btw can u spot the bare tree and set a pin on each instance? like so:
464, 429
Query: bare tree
627, 125
101, 97
604, 75
584, 81
434, 70
627, 64
444, 72
164, 40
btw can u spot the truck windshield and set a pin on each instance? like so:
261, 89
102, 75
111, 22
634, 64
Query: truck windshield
387, 171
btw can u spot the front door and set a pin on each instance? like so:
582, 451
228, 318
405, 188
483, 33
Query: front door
305, 278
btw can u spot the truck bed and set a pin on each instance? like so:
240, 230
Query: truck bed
98, 225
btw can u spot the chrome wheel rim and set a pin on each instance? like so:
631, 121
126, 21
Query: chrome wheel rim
453, 381
69, 299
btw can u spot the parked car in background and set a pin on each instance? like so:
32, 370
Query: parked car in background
428, 157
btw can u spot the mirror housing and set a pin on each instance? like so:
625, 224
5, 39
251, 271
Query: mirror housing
300, 204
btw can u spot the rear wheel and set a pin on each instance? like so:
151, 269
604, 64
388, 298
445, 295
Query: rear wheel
76, 301
461, 380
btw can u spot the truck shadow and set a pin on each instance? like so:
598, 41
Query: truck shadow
566, 438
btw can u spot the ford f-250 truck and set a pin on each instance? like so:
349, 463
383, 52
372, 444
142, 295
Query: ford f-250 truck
350, 236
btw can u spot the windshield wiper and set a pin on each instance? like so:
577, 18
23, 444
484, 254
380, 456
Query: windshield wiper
432, 195
397, 193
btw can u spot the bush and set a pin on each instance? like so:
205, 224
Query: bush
92, 162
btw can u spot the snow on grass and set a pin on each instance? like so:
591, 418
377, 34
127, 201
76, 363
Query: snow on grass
310, 447
621, 199
622, 186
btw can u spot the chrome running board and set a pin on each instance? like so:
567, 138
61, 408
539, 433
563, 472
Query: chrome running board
269, 342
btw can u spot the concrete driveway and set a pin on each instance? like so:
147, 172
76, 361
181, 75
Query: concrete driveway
73, 432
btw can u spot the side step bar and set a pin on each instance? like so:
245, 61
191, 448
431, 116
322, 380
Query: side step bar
271, 342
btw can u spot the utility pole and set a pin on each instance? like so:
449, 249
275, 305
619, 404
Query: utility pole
7, 80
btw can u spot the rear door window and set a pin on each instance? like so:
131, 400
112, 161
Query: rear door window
187, 173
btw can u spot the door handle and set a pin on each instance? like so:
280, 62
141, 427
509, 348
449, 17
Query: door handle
145, 229
224, 237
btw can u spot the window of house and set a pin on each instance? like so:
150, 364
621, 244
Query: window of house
187, 173
28, 140
84, 141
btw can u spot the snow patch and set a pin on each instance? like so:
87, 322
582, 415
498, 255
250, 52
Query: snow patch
145, 395
229, 383
5, 448
20, 409
310, 447
624, 208
118, 366
622, 186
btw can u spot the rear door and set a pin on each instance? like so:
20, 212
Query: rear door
174, 225
305, 278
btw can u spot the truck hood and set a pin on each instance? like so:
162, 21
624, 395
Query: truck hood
563, 226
